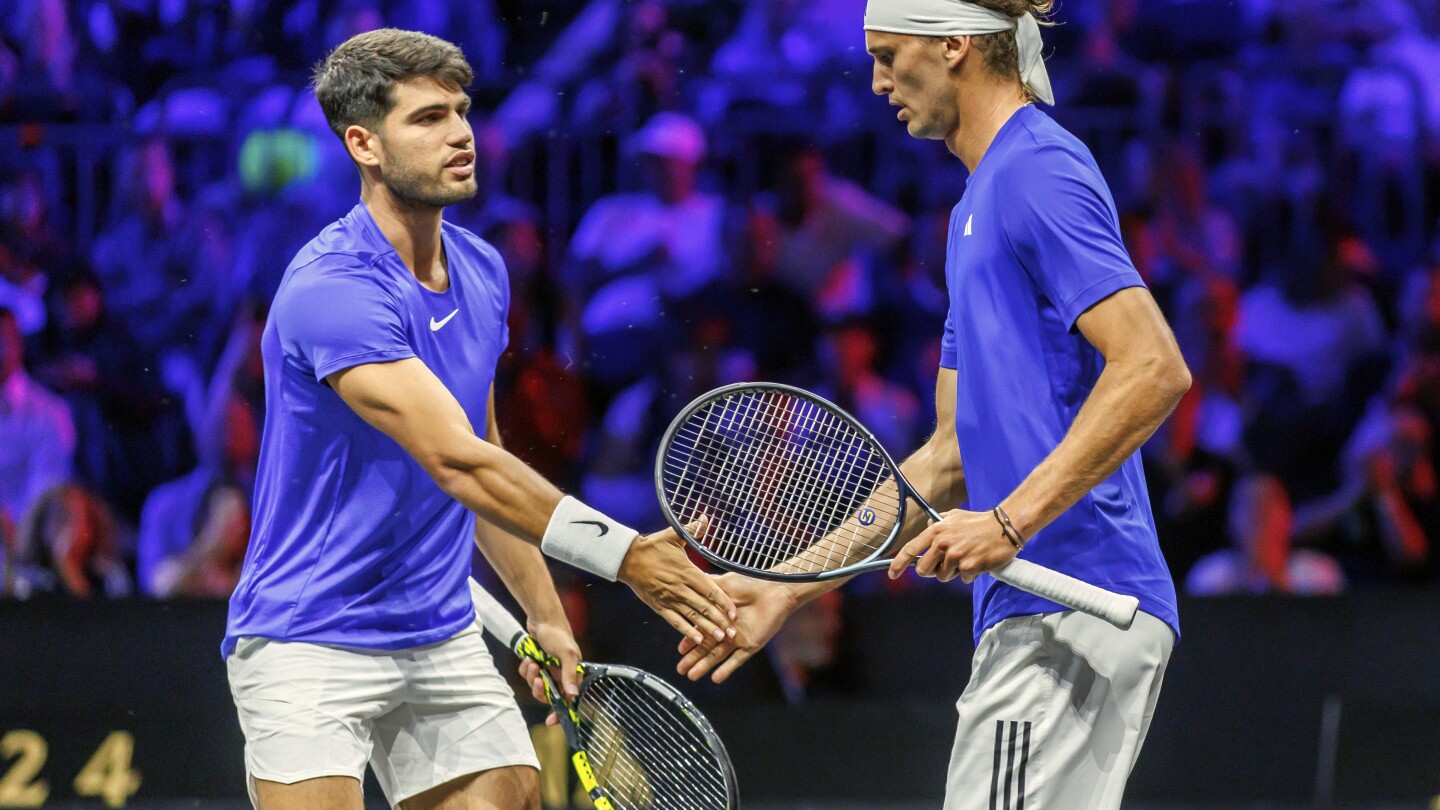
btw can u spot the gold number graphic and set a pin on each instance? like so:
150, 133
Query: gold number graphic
108, 774
19, 787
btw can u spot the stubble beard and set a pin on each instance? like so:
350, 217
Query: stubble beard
410, 185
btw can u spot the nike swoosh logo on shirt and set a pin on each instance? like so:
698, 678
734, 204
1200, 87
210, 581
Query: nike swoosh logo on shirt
435, 325
604, 530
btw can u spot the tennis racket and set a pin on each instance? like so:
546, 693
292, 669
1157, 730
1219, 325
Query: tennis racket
795, 489
636, 743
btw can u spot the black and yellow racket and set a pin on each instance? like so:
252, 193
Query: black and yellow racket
794, 488
636, 743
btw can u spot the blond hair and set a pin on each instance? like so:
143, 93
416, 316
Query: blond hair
1001, 50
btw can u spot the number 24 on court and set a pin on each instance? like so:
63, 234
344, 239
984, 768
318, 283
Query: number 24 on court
107, 775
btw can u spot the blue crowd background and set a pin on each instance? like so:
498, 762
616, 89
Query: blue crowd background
689, 193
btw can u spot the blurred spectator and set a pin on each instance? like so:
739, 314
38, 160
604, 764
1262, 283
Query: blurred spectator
1315, 347
22, 290
805, 651
1196, 237
832, 233
119, 407
644, 78
888, 410
635, 253
194, 530
34, 222
37, 434
775, 324
1193, 460
1262, 560
44, 63
619, 469
157, 262
775, 50
1390, 106
619, 62
69, 545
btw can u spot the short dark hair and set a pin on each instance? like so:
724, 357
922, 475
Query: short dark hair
355, 83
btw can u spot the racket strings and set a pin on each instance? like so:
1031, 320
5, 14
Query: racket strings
645, 751
796, 498
777, 474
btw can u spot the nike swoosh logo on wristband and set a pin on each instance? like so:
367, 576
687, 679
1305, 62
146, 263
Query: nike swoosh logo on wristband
604, 530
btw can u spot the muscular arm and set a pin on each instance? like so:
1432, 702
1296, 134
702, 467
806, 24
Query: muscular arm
934, 470
1144, 378
407, 402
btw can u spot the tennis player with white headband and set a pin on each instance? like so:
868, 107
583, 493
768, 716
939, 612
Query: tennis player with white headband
1056, 365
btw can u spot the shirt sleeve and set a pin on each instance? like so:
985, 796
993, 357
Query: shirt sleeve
949, 358
1066, 233
339, 316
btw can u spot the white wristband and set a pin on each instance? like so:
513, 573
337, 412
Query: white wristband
587, 539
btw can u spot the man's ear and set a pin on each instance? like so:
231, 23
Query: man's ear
956, 49
363, 145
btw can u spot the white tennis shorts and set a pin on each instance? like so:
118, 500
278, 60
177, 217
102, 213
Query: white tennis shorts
421, 717
1055, 713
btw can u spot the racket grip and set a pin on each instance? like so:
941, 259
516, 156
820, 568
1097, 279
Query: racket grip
496, 620
1115, 608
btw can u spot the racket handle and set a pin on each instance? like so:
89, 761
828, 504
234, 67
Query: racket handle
496, 620
1115, 608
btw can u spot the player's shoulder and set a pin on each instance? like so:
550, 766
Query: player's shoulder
344, 246
471, 242
1040, 153
332, 280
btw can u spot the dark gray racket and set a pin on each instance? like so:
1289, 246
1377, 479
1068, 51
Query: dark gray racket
795, 489
635, 741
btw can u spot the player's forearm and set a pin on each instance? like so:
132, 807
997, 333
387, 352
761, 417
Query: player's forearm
522, 568
500, 488
934, 470
937, 475
1128, 404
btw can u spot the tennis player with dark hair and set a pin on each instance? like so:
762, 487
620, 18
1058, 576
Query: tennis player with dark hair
1056, 366
352, 636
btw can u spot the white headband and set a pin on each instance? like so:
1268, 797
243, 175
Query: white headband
953, 18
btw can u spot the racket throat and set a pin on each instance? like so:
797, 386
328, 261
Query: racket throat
589, 782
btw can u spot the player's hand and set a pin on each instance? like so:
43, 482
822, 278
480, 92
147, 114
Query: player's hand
657, 569
764, 606
556, 639
963, 544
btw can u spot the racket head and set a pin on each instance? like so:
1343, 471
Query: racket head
648, 746
775, 469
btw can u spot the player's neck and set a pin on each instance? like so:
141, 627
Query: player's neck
984, 107
414, 232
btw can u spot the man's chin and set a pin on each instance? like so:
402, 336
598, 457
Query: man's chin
441, 197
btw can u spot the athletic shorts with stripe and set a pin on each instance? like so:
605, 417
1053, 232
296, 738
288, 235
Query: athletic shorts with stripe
420, 717
1055, 713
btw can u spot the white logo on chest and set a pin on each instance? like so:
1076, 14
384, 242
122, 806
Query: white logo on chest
968, 220
435, 325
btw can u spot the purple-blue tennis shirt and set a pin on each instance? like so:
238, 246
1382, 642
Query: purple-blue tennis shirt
353, 542
1034, 242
